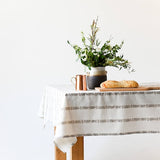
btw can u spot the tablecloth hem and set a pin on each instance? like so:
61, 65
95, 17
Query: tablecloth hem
68, 147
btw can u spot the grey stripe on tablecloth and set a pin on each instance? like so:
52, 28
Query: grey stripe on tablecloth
111, 120
112, 107
111, 134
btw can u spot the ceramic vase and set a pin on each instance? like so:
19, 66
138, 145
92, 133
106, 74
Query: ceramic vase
96, 76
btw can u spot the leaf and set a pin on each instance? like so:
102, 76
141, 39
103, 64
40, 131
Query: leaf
90, 56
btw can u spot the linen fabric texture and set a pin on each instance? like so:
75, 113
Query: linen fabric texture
93, 113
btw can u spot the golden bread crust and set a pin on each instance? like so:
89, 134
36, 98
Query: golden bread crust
110, 84
129, 84
119, 84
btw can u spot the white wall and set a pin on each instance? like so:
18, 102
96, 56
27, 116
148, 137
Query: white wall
34, 53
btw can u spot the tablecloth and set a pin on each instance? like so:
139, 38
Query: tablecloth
93, 113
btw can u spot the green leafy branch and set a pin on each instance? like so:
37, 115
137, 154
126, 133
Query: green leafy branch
92, 55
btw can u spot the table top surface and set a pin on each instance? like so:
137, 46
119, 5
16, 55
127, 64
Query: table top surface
70, 89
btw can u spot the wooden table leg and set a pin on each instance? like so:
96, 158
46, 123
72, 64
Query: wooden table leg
77, 151
59, 155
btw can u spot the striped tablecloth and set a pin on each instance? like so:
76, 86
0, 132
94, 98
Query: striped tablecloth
93, 113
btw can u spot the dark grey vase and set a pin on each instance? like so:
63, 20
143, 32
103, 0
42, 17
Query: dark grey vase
95, 80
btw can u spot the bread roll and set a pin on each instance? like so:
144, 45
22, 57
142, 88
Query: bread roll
119, 84
110, 84
129, 84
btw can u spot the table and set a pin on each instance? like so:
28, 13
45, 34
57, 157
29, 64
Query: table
92, 113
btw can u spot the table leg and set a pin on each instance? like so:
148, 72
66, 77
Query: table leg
59, 155
77, 151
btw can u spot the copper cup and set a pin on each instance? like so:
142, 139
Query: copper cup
78, 82
84, 83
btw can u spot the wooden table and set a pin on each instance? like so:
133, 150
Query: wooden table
112, 113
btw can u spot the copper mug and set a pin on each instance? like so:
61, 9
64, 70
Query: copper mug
80, 82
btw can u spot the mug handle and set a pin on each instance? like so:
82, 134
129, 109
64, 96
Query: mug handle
73, 82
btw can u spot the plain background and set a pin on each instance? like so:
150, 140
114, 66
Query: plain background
34, 53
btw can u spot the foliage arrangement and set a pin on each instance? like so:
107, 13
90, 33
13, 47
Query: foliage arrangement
93, 54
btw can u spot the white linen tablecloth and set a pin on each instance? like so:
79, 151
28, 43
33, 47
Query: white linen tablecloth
93, 113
